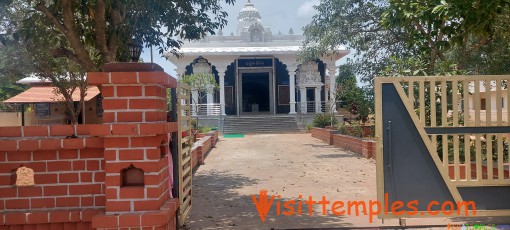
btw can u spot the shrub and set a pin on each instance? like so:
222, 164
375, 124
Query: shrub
323, 119
194, 123
309, 126
204, 129
354, 130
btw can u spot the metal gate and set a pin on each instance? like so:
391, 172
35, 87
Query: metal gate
443, 139
185, 145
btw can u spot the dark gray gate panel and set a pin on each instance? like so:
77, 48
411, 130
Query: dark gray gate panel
409, 171
487, 198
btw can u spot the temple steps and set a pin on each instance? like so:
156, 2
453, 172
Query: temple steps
260, 124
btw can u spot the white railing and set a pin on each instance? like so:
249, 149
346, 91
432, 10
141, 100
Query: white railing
311, 107
326, 106
212, 109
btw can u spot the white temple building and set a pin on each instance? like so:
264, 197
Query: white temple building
257, 71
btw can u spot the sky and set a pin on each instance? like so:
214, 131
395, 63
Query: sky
279, 15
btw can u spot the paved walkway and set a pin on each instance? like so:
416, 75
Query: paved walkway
287, 165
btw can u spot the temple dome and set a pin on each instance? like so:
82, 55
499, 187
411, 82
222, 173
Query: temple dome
249, 11
248, 17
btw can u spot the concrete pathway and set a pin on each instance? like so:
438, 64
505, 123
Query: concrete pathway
287, 165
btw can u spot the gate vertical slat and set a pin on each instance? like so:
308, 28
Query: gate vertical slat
488, 106
499, 102
455, 108
433, 118
488, 122
411, 93
508, 116
499, 108
500, 157
508, 105
467, 137
444, 121
379, 138
184, 149
478, 149
455, 103
467, 156
423, 118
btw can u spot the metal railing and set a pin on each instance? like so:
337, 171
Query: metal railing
212, 109
311, 109
10, 107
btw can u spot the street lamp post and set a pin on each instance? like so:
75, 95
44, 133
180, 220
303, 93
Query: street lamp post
135, 50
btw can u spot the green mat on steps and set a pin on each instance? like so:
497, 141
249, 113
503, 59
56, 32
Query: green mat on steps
233, 135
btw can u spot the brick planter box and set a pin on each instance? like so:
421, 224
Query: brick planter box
368, 131
325, 135
366, 148
202, 147
214, 137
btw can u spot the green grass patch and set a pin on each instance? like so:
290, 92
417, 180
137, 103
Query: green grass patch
233, 135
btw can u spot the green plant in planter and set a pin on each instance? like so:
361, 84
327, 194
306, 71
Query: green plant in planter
323, 119
354, 130
204, 129
194, 124
342, 129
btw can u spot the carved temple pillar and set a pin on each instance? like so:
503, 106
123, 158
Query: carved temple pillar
332, 70
318, 102
292, 91
302, 94
221, 72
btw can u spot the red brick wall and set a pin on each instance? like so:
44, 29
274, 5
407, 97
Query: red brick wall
202, 147
214, 137
323, 134
363, 147
78, 169
366, 148
194, 157
68, 173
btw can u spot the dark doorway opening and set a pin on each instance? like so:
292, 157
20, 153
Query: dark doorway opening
310, 100
255, 93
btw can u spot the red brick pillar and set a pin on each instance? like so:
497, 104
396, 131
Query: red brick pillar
136, 153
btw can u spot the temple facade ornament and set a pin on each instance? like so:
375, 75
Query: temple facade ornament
309, 74
201, 66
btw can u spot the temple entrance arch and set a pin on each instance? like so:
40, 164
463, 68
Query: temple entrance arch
255, 85
256, 92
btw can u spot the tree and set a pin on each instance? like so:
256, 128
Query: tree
92, 33
200, 84
435, 27
357, 25
68, 38
12, 57
353, 98
434, 33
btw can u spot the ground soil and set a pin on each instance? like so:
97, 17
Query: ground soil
288, 165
